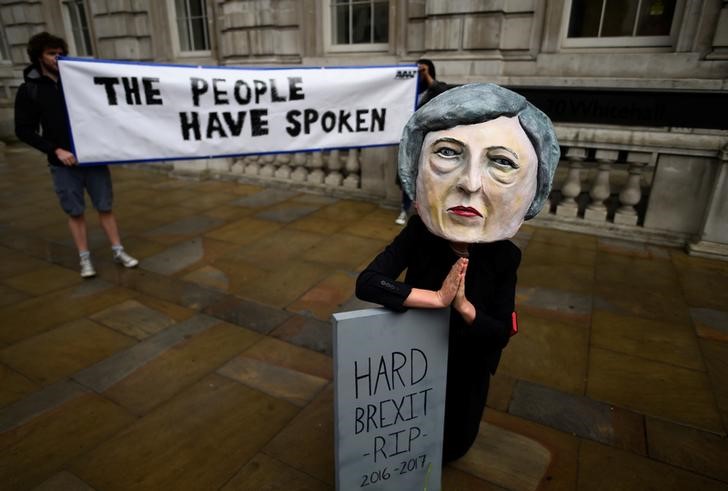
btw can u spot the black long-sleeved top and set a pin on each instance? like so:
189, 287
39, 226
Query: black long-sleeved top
39, 104
473, 350
490, 285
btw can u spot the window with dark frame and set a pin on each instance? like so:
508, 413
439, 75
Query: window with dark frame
75, 12
4, 50
620, 18
359, 22
192, 25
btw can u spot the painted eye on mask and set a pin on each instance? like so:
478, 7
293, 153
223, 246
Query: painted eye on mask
504, 164
445, 158
447, 152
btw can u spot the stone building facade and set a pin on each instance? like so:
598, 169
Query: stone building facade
655, 176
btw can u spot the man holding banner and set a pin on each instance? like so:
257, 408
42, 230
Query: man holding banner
40, 103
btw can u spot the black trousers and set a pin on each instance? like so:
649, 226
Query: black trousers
466, 395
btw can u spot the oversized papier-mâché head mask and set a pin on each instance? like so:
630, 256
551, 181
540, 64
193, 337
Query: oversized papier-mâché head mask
478, 160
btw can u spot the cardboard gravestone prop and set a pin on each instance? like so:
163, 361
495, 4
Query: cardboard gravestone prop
390, 392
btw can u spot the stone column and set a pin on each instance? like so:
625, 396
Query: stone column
268, 168
713, 237
632, 191
334, 177
680, 193
378, 172
571, 188
284, 170
252, 165
352, 169
316, 165
300, 172
238, 166
597, 210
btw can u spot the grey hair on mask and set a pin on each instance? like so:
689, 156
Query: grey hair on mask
473, 104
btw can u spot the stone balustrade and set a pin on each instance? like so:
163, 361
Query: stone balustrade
336, 172
332, 170
660, 186
598, 185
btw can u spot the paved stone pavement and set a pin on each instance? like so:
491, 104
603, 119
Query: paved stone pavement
209, 366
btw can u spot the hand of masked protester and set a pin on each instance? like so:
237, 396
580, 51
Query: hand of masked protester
462, 304
452, 282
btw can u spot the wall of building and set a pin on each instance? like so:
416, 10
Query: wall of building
517, 43
513, 42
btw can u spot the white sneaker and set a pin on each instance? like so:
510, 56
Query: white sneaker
122, 257
87, 268
402, 218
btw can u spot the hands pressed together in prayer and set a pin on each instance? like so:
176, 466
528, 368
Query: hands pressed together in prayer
452, 292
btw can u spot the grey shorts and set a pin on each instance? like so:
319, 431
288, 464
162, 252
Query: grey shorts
70, 182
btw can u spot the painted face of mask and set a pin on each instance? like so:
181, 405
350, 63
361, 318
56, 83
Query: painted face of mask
476, 182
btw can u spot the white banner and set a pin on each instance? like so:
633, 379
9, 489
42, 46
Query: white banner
135, 112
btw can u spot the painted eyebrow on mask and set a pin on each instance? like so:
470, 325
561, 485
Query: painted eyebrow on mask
447, 139
500, 147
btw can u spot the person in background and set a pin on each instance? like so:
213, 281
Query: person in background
428, 87
40, 105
